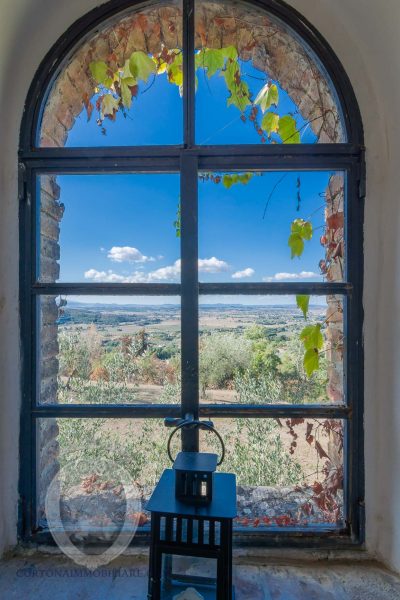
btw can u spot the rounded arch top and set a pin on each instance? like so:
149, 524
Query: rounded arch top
270, 36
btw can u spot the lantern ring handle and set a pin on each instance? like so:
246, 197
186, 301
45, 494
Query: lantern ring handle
197, 424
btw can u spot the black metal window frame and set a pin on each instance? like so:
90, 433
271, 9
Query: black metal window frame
188, 159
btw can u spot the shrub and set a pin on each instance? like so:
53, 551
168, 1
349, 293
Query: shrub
255, 452
222, 357
74, 354
264, 389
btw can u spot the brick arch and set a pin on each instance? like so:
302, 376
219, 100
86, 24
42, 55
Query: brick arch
272, 48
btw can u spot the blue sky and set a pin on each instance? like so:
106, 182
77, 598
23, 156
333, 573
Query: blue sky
119, 228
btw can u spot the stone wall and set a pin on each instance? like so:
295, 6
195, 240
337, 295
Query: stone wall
273, 50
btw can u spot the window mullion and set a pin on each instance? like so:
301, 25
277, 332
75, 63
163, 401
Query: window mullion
189, 297
188, 74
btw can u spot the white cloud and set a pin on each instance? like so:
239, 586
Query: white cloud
164, 273
285, 276
127, 254
212, 265
245, 273
107, 276
171, 272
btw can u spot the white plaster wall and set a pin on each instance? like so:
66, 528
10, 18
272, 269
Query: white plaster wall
365, 34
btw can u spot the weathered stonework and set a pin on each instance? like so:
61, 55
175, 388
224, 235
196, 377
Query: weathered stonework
274, 50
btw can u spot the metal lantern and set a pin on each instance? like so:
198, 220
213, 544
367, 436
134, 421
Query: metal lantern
192, 509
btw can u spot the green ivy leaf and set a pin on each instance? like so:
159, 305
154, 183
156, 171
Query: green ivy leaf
288, 130
267, 96
296, 244
109, 104
245, 178
300, 230
239, 97
303, 228
311, 361
302, 303
175, 72
141, 65
228, 181
212, 60
126, 72
126, 94
270, 123
99, 71
239, 90
312, 337
229, 52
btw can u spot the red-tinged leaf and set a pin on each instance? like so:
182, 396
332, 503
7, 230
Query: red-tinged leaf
245, 521
256, 522
294, 422
165, 55
134, 89
309, 429
98, 102
335, 221
85, 99
88, 105
320, 450
89, 110
317, 487
112, 116
243, 118
266, 520
310, 439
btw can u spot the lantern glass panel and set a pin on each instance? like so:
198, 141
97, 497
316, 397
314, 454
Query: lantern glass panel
188, 578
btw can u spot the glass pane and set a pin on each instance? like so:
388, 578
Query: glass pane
188, 573
258, 81
108, 94
98, 464
109, 350
289, 471
261, 349
271, 226
109, 228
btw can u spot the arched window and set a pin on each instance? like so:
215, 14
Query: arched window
191, 185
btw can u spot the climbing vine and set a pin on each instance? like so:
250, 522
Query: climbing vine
117, 87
